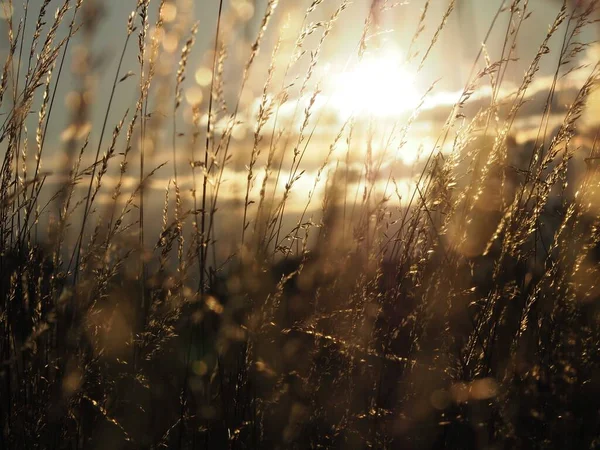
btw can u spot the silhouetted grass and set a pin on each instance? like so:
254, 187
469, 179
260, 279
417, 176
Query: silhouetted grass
340, 313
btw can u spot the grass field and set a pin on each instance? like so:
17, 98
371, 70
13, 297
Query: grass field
260, 230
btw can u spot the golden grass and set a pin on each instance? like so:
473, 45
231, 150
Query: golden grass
462, 315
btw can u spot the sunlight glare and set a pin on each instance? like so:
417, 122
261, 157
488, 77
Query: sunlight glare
378, 85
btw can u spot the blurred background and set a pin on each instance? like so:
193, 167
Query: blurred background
385, 84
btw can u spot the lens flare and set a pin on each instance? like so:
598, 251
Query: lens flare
378, 85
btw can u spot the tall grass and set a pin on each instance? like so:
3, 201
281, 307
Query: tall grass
313, 305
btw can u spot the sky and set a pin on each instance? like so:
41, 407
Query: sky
461, 39
448, 64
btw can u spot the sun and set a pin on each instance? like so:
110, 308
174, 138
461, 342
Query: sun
378, 85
